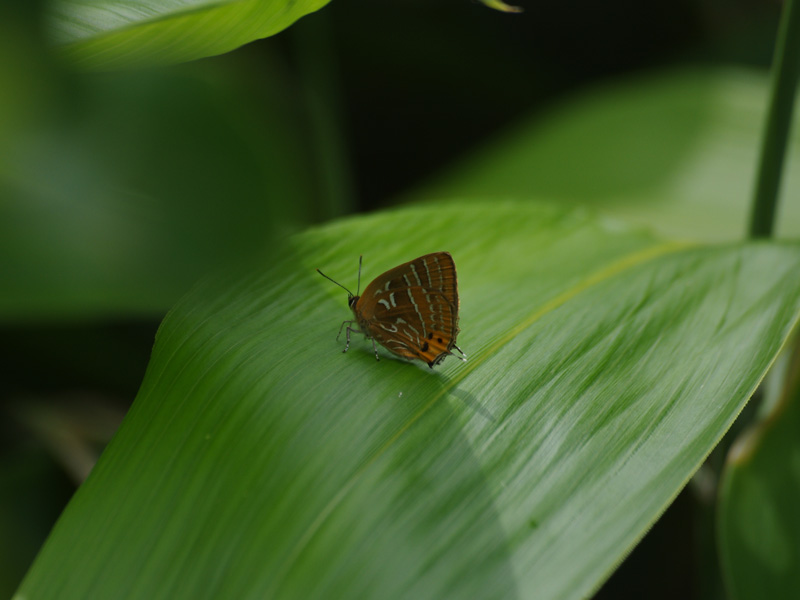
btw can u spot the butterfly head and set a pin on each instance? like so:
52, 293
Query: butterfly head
352, 299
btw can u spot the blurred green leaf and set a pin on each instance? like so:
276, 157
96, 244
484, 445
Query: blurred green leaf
259, 461
113, 33
123, 189
502, 6
759, 524
674, 151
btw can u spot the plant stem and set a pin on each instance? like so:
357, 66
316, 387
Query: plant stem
786, 67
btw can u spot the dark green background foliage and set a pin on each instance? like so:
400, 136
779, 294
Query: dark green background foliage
589, 166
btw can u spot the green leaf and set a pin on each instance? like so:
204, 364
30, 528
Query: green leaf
259, 461
759, 524
502, 6
151, 180
112, 33
675, 151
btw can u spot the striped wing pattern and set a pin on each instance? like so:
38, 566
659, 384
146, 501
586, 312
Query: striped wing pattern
412, 309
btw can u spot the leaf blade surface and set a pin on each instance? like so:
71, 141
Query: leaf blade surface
258, 460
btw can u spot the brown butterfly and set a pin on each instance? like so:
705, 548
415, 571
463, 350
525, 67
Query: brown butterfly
411, 310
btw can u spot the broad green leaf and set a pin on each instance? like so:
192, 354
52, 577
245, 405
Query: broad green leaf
259, 461
759, 524
112, 33
675, 151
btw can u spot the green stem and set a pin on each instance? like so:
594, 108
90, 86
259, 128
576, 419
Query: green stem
786, 67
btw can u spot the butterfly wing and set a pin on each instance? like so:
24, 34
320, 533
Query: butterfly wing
429, 339
412, 310
435, 271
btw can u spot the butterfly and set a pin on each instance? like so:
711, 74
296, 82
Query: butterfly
411, 310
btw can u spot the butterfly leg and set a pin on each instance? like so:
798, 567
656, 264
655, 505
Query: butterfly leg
347, 335
463, 356
375, 348
348, 330
342, 327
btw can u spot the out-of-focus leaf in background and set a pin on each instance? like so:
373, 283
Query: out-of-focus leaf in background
118, 191
759, 524
675, 151
260, 461
112, 33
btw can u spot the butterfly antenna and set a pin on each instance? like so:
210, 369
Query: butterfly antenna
360, 258
336, 282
